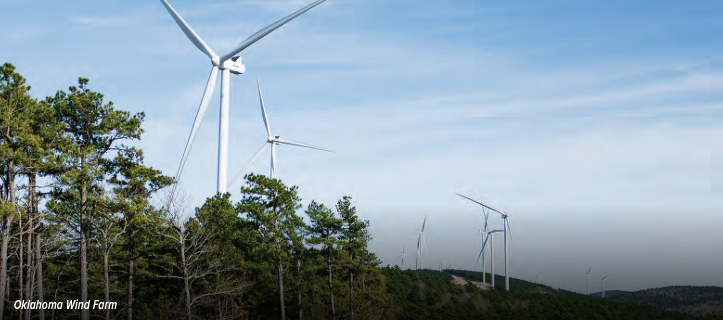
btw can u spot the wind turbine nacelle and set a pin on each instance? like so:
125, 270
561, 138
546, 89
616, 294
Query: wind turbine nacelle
234, 65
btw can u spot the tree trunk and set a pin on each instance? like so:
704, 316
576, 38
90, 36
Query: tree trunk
298, 271
131, 260
28, 277
32, 178
331, 288
281, 290
21, 268
106, 279
85, 313
186, 287
39, 273
9, 195
351, 293
7, 221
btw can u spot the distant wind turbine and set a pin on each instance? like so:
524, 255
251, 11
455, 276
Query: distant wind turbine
492, 254
506, 229
602, 283
272, 140
404, 259
227, 63
484, 232
420, 243
588, 280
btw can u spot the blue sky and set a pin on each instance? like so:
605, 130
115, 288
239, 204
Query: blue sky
594, 124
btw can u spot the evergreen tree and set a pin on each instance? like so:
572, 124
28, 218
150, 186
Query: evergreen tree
325, 229
271, 207
92, 130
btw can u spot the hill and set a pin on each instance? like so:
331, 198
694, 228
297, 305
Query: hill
609, 293
431, 294
688, 299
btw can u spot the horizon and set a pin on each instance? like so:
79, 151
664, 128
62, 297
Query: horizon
593, 125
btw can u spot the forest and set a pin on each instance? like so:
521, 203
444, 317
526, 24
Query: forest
83, 219
89, 231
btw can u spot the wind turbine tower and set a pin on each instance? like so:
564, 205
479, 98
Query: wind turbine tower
587, 274
228, 63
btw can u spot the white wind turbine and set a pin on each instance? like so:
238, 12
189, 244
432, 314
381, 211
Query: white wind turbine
492, 254
602, 284
420, 243
506, 229
404, 259
587, 274
272, 141
228, 63
485, 234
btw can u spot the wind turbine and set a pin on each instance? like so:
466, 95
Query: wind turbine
420, 243
588, 280
484, 232
272, 140
227, 63
506, 229
492, 255
404, 258
602, 283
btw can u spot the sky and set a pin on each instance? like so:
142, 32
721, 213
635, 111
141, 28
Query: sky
595, 124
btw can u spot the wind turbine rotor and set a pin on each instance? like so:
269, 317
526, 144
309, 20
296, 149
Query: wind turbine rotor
265, 31
588, 271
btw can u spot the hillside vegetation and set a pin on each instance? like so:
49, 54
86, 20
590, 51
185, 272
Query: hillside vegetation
431, 295
688, 299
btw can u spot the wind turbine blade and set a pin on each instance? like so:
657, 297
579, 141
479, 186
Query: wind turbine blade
480, 203
484, 244
299, 144
424, 223
197, 41
419, 241
263, 108
248, 163
265, 31
199, 118
507, 222
588, 271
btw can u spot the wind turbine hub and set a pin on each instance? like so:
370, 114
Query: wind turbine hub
215, 60
234, 65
